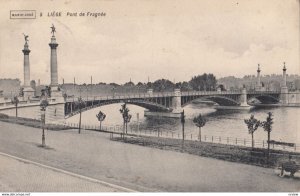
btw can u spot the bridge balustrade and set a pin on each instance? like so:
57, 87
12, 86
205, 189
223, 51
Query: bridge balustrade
169, 94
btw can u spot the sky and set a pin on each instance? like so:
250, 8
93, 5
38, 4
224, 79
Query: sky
137, 39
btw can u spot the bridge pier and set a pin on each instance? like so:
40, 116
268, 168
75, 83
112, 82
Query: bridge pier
174, 104
243, 98
176, 101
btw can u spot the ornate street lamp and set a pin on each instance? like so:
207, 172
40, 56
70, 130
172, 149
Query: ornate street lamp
80, 103
44, 104
15, 101
182, 118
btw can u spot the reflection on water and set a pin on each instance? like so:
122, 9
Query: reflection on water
220, 123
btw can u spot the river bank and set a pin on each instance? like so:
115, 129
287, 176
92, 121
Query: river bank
232, 153
94, 155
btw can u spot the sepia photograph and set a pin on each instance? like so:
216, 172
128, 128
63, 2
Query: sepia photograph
149, 96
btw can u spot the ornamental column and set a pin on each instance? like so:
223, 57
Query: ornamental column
284, 75
28, 92
55, 112
53, 62
56, 93
258, 82
26, 52
284, 93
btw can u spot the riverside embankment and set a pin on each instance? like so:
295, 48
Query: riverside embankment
93, 154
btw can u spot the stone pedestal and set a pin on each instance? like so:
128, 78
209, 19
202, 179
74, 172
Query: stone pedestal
28, 93
57, 94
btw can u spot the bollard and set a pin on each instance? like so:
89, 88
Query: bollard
244, 142
212, 139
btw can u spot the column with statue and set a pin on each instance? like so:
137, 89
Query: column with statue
26, 91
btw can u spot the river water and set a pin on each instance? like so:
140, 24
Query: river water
223, 124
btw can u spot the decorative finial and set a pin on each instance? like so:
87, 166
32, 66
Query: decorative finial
26, 38
284, 68
53, 30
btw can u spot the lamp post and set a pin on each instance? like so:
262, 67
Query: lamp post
15, 101
80, 102
44, 103
182, 118
127, 120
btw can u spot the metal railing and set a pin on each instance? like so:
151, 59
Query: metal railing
116, 96
235, 141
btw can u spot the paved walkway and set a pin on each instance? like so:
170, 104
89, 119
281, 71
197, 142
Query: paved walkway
136, 167
19, 175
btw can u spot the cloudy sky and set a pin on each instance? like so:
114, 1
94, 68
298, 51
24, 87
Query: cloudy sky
174, 39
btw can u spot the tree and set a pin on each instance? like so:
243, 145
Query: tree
185, 86
21, 92
44, 104
126, 116
252, 124
140, 84
129, 83
200, 122
163, 85
267, 126
203, 82
46, 91
221, 86
15, 101
101, 116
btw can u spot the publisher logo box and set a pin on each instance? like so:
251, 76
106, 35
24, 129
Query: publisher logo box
22, 14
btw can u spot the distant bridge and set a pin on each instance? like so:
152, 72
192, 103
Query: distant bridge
172, 101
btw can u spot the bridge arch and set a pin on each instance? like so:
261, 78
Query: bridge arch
71, 109
221, 100
264, 98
